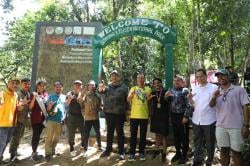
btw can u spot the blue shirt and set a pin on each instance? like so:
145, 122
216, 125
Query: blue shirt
59, 104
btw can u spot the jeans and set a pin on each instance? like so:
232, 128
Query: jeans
5, 136
115, 122
87, 127
134, 124
17, 135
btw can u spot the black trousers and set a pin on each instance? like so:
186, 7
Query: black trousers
37, 130
115, 122
201, 132
75, 122
87, 127
134, 124
181, 132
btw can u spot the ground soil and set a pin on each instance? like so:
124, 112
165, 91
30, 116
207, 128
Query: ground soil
63, 158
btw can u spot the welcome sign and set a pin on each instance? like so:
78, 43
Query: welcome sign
63, 52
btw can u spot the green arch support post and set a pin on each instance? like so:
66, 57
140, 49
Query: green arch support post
145, 27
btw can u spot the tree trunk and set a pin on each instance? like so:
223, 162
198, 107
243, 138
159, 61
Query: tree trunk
231, 49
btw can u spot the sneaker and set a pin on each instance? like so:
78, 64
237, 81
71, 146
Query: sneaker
48, 158
155, 154
131, 158
176, 157
36, 157
121, 157
85, 154
73, 153
105, 154
142, 157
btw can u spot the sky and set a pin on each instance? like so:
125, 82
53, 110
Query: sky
20, 7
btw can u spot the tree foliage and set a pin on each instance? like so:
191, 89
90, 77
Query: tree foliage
211, 34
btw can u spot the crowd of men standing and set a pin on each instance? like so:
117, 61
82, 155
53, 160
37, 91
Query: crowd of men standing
218, 113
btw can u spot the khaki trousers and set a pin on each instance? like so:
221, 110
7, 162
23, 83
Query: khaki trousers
53, 134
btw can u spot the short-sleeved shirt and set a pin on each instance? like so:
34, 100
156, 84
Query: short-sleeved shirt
203, 114
59, 104
139, 105
229, 107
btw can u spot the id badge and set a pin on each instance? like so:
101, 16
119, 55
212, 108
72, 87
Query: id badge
158, 105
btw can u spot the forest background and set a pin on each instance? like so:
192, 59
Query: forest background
211, 34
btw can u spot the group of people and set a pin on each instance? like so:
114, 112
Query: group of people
218, 113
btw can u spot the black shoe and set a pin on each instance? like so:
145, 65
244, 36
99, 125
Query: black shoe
197, 163
155, 154
36, 157
183, 160
105, 154
48, 158
176, 157
13, 157
163, 157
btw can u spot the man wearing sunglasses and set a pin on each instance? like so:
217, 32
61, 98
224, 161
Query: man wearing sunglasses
232, 119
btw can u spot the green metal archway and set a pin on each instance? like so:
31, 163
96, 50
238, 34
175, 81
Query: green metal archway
145, 27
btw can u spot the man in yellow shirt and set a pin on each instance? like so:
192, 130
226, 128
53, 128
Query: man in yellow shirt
8, 108
139, 96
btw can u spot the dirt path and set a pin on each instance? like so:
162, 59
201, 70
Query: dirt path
93, 159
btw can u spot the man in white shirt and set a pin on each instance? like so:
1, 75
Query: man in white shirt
203, 119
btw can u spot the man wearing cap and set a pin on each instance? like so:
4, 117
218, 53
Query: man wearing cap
75, 119
56, 115
232, 123
8, 113
115, 108
22, 117
203, 118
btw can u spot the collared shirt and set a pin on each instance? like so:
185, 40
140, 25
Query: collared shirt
203, 114
179, 101
8, 109
91, 106
23, 115
229, 107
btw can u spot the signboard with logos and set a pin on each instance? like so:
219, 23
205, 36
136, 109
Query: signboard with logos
63, 52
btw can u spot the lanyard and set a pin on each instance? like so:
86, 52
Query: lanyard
159, 96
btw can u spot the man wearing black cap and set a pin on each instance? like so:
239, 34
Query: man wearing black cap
75, 119
232, 124
22, 117
115, 108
